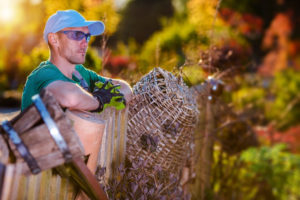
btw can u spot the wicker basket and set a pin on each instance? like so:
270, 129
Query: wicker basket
161, 120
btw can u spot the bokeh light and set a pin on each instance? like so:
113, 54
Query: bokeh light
6, 14
6, 11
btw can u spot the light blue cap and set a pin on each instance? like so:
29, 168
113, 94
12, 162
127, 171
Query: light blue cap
71, 18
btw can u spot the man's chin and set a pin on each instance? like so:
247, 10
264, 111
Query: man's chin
79, 61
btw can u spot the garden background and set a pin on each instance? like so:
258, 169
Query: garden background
253, 46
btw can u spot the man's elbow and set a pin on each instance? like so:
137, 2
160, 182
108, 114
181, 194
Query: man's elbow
65, 93
69, 101
125, 89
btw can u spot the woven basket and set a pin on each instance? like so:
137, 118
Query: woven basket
162, 117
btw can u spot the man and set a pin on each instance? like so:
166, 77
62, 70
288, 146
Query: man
67, 34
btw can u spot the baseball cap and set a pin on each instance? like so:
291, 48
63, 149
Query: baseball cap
71, 18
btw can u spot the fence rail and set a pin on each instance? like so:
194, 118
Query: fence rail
51, 184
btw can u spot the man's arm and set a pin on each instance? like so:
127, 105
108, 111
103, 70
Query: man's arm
72, 96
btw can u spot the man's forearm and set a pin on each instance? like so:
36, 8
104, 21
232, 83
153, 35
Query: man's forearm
72, 96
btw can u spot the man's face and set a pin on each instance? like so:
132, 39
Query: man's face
72, 50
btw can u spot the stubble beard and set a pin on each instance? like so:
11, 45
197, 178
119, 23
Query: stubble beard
77, 59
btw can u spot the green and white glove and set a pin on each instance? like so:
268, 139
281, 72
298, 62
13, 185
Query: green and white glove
108, 94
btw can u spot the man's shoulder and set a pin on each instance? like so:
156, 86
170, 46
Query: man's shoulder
81, 68
89, 74
44, 68
85, 72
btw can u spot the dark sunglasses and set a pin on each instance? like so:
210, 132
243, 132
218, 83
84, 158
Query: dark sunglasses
77, 35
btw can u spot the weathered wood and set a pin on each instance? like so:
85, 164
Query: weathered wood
4, 152
48, 185
44, 192
38, 185
37, 138
93, 189
53, 187
122, 134
2, 175
19, 183
89, 128
29, 117
8, 181
110, 142
49, 155
113, 147
31, 187
64, 190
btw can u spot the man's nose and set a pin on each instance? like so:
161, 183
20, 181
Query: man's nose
84, 42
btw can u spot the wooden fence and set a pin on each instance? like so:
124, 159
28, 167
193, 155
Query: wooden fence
52, 184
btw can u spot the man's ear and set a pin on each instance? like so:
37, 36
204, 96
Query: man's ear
53, 39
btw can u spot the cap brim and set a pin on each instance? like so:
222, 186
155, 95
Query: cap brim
95, 27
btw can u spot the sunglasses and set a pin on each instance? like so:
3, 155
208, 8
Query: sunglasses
77, 35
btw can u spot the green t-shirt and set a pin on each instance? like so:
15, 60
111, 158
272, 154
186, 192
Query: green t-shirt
46, 73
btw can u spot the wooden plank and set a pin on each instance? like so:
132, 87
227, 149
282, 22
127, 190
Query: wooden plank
58, 187
82, 176
110, 145
90, 128
123, 135
53, 187
68, 188
29, 117
103, 156
102, 160
87, 180
38, 186
31, 187
8, 180
21, 194
17, 185
116, 141
35, 134
72, 190
44, 192
4, 152
2, 176
49, 156
113, 148
26, 120
63, 189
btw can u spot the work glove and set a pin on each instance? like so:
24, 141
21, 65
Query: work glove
108, 94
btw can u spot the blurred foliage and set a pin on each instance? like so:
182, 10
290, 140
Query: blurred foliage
170, 41
252, 45
257, 173
141, 18
104, 11
275, 168
193, 75
91, 10
249, 94
204, 19
32, 60
285, 108
92, 60
276, 98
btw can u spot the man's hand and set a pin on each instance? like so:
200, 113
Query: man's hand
108, 95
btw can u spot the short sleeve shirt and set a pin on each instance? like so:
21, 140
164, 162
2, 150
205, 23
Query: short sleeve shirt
46, 73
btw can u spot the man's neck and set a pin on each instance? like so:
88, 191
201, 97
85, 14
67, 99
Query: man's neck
64, 66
